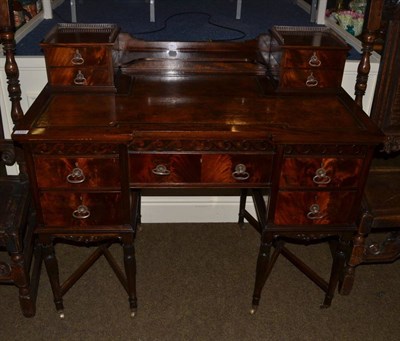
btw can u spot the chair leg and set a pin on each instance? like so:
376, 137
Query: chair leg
22, 281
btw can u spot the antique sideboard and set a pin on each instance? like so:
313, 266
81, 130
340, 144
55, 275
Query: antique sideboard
120, 114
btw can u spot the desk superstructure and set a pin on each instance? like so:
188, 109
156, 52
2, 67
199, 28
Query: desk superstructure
182, 114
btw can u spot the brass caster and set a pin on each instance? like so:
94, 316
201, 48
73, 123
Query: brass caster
253, 310
133, 314
61, 314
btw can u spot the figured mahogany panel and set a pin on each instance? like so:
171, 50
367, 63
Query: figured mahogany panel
79, 76
77, 172
58, 209
67, 56
320, 172
310, 79
314, 208
161, 169
321, 59
236, 168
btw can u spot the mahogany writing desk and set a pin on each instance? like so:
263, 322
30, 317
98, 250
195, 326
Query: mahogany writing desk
187, 115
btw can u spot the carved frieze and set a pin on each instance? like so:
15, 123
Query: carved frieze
75, 148
322, 149
202, 145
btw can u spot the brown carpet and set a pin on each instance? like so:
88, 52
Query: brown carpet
195, 282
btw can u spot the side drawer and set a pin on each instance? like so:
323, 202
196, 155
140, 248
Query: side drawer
77, 172
81, 209
320, 172
164, 168
314, 207
74, 76
310, 79
81, 56
236, 168
321, 59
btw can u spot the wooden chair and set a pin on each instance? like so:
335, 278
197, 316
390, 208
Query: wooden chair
381, 203
17, 240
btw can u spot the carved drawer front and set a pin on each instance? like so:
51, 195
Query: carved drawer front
236, 169
309, 79
73, 76
320, 172
313, 59
165, 168
78, 56
81, 209
314, 208
77, 172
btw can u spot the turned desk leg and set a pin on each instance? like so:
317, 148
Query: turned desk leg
337, 268
265, 263
130, 270
242, 207
51, 264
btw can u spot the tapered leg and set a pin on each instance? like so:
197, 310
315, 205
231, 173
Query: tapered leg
51, 264
242, 206
130, 270
265, 264
337, 268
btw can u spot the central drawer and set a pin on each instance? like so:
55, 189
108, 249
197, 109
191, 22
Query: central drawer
190, 169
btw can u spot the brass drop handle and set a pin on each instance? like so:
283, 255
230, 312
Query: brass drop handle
80, 78
314, 60
240, 172
76, 176
161, 170
82, 212
320, 177
315, 213
77, 59
311, 81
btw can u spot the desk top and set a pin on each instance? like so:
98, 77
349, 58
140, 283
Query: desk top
195, 90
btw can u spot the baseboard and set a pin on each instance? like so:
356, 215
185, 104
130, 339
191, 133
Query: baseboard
196, 209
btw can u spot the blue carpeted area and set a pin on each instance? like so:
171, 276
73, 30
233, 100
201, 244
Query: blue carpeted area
176, 20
